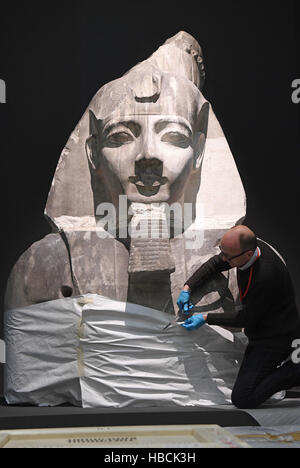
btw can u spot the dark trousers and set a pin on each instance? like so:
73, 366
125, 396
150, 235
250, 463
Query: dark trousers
260, 376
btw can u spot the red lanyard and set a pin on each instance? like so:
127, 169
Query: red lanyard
242, 296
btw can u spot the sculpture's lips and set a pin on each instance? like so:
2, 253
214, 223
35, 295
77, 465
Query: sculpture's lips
149, 186
148, 178
148, 181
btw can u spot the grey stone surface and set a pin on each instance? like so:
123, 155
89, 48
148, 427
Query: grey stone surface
150, 136
40, 274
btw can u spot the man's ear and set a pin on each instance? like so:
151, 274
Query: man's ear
201, 135
250, 254
93, 141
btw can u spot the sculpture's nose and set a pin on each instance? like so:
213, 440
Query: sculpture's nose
148, 166
148, 149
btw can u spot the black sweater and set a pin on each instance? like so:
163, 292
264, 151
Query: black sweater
270, 315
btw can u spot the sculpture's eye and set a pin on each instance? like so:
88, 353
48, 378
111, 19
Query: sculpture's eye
117, 139
176, 139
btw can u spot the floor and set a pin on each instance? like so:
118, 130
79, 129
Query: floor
271, 426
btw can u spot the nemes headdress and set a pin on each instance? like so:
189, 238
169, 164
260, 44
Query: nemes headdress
170, 82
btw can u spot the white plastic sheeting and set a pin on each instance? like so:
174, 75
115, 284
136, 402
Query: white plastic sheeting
91, 351
42, 344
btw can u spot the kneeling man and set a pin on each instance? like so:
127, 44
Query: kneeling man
268, 315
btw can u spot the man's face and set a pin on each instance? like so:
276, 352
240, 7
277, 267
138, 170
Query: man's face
233, 254
149, 158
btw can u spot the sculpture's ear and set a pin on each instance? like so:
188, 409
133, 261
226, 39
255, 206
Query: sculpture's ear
93, 141
201, 135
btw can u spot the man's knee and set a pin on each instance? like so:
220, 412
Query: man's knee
242, 401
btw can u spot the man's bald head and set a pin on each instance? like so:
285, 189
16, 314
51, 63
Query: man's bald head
241, 236
237, 241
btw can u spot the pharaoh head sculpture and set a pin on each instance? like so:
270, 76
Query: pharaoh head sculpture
152, 136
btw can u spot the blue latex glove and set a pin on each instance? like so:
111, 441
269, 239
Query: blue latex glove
184, 303
193, 323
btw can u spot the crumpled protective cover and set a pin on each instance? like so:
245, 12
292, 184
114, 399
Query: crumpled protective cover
42, 343
92, 351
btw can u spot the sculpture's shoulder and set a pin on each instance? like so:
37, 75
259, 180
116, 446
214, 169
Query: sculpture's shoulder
41, 274
99, 265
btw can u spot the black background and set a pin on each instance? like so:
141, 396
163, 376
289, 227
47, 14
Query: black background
56, 55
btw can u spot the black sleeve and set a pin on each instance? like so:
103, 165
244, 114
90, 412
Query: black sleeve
234, 319
210, 268
256, 306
